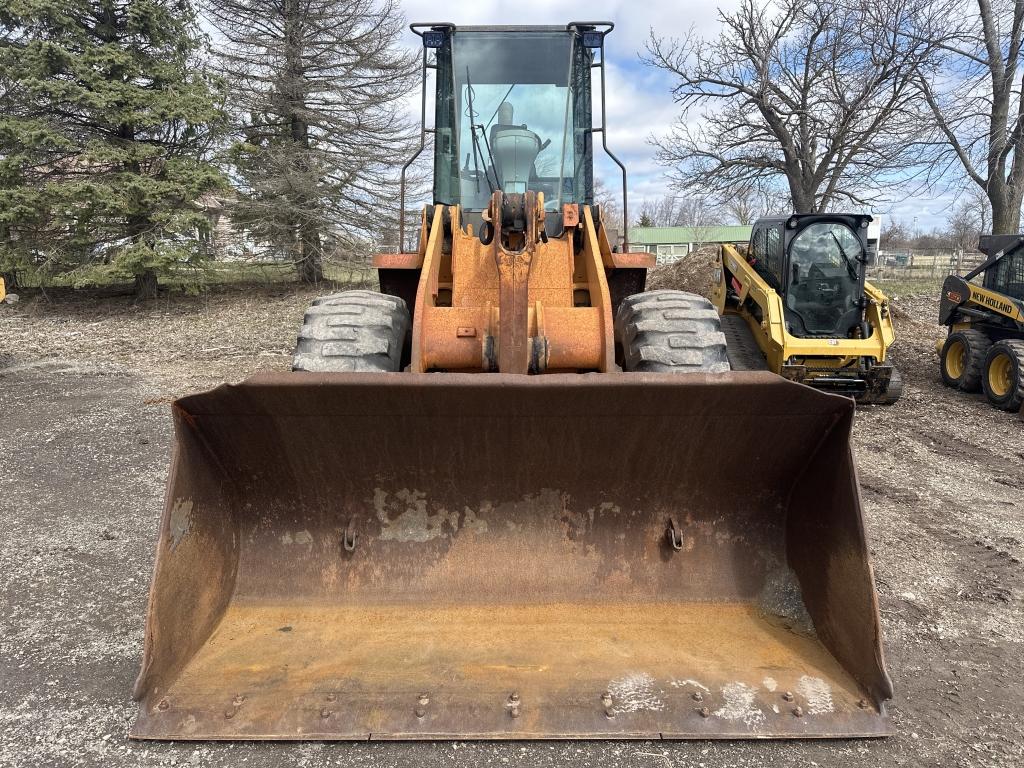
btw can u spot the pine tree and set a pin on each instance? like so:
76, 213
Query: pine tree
106, 119
317, 89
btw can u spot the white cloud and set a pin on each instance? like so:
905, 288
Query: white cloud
639, 99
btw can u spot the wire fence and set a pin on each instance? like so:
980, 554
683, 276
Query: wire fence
923, 264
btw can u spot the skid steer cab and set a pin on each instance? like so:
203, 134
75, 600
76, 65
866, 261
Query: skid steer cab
796, 303
984, 349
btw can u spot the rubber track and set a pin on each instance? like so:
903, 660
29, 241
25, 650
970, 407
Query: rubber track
744, 354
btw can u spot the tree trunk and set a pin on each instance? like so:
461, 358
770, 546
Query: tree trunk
310, 265
146, 285
803, 200
1006, 206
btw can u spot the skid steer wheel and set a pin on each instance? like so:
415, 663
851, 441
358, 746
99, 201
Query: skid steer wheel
352, 331
672, 332
963, 359
1003, 381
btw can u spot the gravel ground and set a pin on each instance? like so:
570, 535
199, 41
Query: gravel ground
85, 444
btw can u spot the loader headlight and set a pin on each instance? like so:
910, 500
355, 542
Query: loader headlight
433, 39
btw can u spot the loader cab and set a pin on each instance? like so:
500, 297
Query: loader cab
513, 112
816, 263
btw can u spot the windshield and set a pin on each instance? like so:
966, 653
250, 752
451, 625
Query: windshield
1009, 275
824, 280
514, 116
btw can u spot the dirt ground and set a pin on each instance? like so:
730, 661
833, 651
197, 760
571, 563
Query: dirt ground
85, 444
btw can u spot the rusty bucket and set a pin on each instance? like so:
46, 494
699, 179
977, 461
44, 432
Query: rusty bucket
402, 556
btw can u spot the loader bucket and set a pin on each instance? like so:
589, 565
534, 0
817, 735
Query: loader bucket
403, 556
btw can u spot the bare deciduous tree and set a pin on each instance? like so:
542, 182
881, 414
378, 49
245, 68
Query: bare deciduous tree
975, 99
317, 88
814, 93
746, 204
964, 227
678, 211
611, 205
897, 234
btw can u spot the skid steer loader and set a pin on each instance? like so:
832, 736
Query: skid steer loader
796, 303
984, 349
512, 495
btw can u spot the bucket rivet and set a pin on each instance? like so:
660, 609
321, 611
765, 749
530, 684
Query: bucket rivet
697, 696
229, 713
798, 711
332, 697
421, 710
787, 696
237, 701
164, 704
607, 701
704, 712
863, 703
513, 704
325, 713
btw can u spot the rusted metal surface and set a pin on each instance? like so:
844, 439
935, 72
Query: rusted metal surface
570, 214
513, 266
397, 260
634, 260
412, 556
534, 285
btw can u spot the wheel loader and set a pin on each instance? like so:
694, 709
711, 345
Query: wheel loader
984, 349
512, 495
797, 303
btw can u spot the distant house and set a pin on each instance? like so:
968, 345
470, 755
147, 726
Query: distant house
670, 243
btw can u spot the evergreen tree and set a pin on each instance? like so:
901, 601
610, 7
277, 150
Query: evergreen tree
105, 118
317, 90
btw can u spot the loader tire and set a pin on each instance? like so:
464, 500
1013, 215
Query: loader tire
1003, 381
670, 332
352, 331
962, 361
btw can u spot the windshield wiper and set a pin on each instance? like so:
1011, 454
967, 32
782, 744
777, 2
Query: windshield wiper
846, 259
477, 152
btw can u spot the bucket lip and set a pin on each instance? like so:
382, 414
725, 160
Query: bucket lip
800, 399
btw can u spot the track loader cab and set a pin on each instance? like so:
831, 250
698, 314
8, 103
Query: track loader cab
984, 348
797, 303
817, 264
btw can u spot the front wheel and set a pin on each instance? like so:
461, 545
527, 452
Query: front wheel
670, 332
352, 331
962, 359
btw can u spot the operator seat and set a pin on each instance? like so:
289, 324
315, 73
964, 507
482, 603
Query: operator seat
515, 148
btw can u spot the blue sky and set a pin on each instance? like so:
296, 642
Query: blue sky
639, 99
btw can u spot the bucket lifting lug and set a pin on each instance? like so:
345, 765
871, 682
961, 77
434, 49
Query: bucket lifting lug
674, 535
350, 536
